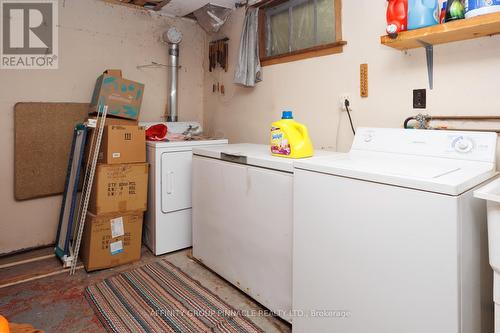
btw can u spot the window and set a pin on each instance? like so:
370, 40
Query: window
298, 29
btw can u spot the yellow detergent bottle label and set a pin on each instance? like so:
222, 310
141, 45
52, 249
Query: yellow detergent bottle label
290, 139
279, 142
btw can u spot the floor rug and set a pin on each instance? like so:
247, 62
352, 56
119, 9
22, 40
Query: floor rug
159, 297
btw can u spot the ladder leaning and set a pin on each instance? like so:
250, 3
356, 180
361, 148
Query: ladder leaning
68, 238
95, 145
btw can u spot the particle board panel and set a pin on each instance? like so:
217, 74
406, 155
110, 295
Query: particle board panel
42, 144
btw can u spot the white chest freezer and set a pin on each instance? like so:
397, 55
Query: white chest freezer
242, 220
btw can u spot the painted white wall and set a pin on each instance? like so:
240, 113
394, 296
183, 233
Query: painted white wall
93, 36
466, 83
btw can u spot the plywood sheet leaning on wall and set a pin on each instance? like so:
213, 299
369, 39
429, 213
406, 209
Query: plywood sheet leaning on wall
43, 135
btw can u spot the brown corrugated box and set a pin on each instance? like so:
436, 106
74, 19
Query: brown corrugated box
123, 144
119, 188
111, 240
110, 120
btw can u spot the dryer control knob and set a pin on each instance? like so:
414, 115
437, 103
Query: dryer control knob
464, 145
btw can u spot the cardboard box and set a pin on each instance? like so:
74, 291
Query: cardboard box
123, 97
119, 188
110, 120
111, 240
120, 151
123, 144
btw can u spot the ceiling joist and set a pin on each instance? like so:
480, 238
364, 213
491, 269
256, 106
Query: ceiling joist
155, 5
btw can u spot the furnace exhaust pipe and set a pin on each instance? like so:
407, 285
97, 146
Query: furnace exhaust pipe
173, 37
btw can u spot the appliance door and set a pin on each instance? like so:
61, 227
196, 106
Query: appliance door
370, 257
176, 181
242, 228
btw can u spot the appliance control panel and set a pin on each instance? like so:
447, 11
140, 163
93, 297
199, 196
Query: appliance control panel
463, 144
473, 146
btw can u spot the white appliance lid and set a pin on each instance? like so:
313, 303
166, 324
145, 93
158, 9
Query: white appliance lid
186, 143
403, 166
434, 161
422, 173
255, 155
490, 192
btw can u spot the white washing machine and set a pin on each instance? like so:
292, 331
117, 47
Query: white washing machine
389, 238
242, 220
167, 226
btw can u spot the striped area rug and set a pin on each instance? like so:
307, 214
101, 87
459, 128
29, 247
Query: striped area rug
159, 297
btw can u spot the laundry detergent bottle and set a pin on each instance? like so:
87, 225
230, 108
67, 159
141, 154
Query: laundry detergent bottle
422, 13
397, 16
455, 10
290, 139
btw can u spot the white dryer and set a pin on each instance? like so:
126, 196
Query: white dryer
389, 238
167, 226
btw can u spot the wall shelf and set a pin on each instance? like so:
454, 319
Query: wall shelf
475, 27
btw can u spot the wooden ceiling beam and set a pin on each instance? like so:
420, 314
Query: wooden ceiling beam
155, 5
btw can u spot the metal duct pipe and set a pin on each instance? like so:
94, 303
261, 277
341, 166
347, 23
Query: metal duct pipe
173, 82
173, 37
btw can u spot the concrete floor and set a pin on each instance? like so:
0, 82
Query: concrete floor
56, 303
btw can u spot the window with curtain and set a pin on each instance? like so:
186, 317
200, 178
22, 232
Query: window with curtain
297, 29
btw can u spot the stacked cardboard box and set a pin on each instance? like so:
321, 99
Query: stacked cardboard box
113, 228
123, 97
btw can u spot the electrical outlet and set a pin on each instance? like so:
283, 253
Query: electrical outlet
342, 99
419, 99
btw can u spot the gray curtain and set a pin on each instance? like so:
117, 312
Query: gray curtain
248, 71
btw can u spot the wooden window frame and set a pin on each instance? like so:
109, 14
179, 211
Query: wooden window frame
316, 51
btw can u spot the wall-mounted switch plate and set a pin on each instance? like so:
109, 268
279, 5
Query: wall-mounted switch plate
419, 99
